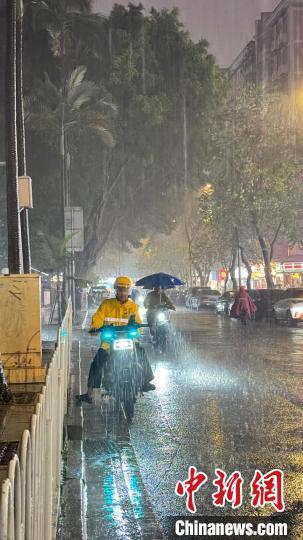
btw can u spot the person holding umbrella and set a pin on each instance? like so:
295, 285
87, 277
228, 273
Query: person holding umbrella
157, 282
153, 299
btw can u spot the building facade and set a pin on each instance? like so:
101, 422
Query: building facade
274, 58
243, 69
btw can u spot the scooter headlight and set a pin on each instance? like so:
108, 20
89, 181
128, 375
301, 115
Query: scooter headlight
133, 333
161, 317
107, 334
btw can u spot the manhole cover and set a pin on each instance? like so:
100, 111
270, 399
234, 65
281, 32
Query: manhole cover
25, 398
7, 451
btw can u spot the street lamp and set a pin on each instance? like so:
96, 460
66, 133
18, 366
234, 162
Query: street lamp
207, 189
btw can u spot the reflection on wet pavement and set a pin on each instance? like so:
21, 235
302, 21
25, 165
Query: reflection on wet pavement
226, 397
117, 505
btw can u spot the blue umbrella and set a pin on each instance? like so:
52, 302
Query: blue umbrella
165, 281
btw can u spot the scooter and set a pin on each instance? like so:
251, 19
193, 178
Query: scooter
161, 327
122, 373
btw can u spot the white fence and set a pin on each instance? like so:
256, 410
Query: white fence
30, 494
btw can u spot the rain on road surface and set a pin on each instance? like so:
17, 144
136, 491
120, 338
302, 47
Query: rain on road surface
227, 396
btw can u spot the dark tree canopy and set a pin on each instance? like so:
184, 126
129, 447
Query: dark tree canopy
155, 86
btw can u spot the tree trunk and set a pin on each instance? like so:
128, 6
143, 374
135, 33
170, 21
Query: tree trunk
185, 141
100, 224
226, 280
12, 194
232, 270
248, 267
199, 271
224, 265
266, 259
21, 137
62, 203
273, 242
59, 298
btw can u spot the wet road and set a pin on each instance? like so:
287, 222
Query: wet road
227, 397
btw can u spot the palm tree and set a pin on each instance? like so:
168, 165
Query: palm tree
13, 217
73, 31
64, 114
21, 135
59, 257
71, 28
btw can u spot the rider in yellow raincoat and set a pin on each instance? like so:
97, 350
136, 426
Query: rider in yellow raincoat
116, 312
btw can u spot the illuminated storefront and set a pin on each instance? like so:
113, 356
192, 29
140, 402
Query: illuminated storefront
290, 272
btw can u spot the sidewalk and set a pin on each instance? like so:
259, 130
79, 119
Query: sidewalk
103, 492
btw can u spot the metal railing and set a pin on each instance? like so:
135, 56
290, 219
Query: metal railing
29, 499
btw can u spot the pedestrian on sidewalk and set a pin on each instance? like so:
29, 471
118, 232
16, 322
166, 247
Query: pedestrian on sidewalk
243, 307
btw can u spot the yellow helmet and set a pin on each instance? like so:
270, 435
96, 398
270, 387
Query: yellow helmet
123, 281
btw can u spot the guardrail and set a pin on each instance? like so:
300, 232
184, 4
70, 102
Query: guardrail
29, 499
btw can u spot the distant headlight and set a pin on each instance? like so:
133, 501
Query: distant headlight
141, 298
161, 317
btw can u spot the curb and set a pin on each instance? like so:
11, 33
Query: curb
73, 524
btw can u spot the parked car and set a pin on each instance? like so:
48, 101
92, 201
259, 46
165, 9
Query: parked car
266, 301
290, 307
205, 299
225, 302
193, 292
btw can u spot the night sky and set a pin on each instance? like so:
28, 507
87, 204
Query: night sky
227, 24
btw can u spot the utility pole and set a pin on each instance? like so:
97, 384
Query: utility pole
15, 259
21, 135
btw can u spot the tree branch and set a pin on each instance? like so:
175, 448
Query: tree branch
272, 244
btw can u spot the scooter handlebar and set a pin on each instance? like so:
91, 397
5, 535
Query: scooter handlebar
116, 328
165, 306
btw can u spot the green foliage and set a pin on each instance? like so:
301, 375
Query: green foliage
53, 251
254, 165
77, 106
255, 160
127, 78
